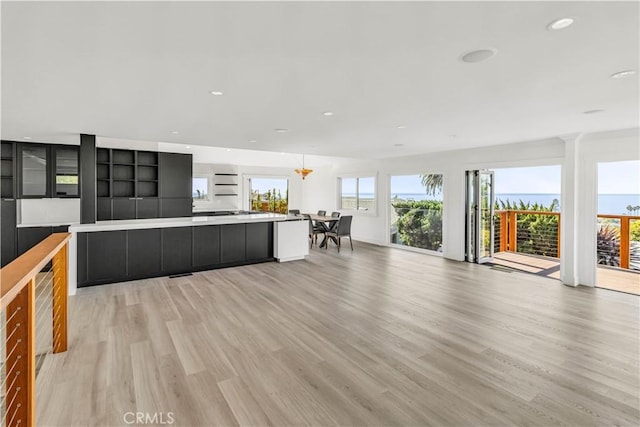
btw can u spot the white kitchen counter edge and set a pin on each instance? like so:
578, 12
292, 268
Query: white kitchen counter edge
137, 224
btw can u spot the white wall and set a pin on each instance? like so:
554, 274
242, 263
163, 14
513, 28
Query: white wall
577, 154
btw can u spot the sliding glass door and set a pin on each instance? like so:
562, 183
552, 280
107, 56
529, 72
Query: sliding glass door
416, 211
480, 205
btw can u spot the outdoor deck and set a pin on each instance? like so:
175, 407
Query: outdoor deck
608, 278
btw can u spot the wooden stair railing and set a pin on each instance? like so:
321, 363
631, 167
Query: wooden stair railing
17, 300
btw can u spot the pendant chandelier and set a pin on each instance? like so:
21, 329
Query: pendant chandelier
304, 171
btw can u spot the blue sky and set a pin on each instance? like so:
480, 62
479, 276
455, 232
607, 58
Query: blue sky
265, 184
613, 178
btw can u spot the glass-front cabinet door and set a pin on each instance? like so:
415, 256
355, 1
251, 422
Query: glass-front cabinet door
34, 176
65, 182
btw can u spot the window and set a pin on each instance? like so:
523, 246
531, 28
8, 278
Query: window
269, 194
358, 193
200, 188
416, 211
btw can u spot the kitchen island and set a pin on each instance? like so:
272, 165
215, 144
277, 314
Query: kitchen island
116, 251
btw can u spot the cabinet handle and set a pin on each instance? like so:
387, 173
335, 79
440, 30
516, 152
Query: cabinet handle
133, 198
8, 200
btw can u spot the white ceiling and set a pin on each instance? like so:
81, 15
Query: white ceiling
142, 70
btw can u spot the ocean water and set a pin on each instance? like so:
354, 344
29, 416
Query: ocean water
614, 204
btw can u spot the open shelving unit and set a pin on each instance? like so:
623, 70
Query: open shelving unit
126, 173
6, 171
225, 186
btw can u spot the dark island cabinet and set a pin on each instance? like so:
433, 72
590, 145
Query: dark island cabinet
106, 256
259, 240
115, 256
232, 243
176, 250
206, 246
143, 252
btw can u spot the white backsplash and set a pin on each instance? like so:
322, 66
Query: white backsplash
48, 211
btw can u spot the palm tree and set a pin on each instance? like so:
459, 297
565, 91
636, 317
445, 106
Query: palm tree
432, 184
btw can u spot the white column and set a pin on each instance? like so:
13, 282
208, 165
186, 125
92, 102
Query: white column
578, 216
453, 215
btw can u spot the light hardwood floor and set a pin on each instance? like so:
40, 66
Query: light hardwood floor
377, 336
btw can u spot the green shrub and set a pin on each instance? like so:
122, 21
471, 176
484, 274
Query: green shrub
420, 223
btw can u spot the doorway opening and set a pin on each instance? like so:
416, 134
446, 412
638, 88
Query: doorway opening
618, 229
521, 230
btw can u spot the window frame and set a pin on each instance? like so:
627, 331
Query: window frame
208, 178
357, 210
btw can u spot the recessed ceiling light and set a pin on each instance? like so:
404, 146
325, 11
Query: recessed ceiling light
401, 127
559, 24
253, 141
26, 137
187, 147
622, 74
398, 145
175, 132
328, 113
216, 93
228, 149
282, 130
479, 55
592, 111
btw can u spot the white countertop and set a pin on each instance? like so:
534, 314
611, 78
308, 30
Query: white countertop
136, 224
46, 224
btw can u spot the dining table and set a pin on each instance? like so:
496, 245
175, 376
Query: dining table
326, 222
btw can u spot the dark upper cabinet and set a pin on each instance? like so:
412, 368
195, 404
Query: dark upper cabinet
123, 208
48, 170
175, 172
8, 232
232, 243
175, 207
259, 240
176, 250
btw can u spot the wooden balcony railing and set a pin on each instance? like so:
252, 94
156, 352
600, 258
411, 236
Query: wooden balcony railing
515, 231
30, 292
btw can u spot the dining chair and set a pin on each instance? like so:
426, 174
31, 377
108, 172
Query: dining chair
322, 213
294, 211
343, 229
335, 214
312, 233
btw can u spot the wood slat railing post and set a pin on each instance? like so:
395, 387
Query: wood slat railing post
558, 237
21, 359
513, 231
504, 243
624, 241
60, 300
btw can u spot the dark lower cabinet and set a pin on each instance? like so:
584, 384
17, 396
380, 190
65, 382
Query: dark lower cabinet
8, 234
259, 240
232, 243
114, 256
28, 237
106, 256
206, 246
143, 252
176, 250
175, 207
